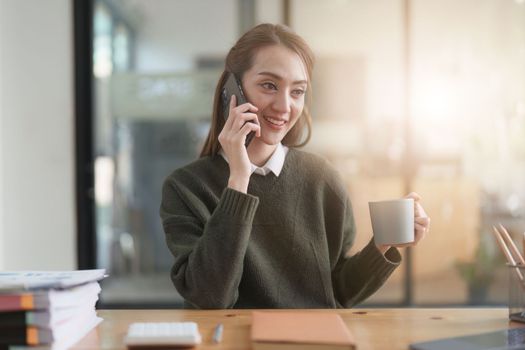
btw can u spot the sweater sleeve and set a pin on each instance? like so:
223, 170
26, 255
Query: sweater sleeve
208, 248
357, 277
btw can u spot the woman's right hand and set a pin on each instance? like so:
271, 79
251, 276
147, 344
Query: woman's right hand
241, 121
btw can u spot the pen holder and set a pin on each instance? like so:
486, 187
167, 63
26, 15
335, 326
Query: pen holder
516, 292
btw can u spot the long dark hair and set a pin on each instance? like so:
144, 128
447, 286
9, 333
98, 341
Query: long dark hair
240, 59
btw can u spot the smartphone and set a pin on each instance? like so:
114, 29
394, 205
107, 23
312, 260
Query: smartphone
233, 87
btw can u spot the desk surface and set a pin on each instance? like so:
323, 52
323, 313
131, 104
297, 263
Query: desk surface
372, 328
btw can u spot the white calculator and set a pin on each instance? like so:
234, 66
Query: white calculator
163, 333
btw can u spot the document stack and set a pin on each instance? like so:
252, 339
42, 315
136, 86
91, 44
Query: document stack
47, 309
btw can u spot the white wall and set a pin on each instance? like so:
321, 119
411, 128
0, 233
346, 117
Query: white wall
37, 207
1, 146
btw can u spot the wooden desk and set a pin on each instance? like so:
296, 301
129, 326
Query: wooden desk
373, 328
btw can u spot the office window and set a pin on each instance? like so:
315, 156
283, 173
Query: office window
459, 142
122, 48
102, 50
154, 77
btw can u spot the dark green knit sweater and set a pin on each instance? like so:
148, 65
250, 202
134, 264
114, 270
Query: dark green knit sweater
282, 245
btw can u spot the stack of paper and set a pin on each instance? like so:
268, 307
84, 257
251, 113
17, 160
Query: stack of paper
50, 309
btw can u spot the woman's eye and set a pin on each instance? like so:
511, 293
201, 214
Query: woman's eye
298, 92
269, 86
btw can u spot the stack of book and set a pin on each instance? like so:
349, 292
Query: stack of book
47, 309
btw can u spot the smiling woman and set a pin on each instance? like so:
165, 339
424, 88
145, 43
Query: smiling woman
249, 59
268, 226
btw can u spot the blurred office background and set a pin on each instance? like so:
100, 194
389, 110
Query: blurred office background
408, 95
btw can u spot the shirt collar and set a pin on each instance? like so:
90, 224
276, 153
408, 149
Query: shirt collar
274, 164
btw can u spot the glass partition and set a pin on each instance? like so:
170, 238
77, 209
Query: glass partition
433, 89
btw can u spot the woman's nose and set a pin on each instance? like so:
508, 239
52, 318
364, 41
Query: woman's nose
282, 102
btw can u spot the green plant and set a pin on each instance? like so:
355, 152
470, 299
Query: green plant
479, 271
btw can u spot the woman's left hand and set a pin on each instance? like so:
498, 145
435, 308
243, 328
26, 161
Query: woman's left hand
421, 224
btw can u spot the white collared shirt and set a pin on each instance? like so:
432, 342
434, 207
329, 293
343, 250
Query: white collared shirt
274, 164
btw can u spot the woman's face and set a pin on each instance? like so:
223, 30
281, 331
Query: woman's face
276, 85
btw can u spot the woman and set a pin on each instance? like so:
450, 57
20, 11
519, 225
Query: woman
268, 226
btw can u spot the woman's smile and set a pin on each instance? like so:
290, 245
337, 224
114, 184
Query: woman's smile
275, 123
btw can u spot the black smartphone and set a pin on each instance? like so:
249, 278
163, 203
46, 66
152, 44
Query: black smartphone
233, 87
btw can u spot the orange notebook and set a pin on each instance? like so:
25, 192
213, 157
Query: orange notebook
292, 330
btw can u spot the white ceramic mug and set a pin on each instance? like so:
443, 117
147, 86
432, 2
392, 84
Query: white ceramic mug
392, 221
